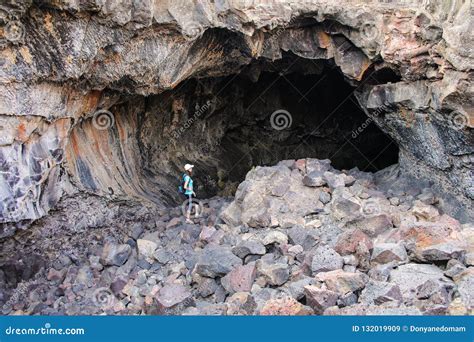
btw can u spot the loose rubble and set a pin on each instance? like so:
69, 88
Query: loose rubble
331, 243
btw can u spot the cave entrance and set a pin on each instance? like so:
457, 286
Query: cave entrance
267, 113
270, 111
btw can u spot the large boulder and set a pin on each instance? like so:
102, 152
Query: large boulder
432, 241
411, 276
214, 261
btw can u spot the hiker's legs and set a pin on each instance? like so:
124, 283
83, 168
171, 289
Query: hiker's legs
190, 206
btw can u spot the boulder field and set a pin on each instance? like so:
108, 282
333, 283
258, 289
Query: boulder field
298, 238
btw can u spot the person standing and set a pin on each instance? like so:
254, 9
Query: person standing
189, 191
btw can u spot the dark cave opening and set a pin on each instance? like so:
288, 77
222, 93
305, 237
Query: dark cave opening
292, 108
267, 113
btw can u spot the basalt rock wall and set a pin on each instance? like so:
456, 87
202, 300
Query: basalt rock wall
66, 64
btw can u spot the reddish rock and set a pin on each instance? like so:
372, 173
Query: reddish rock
300, 164
320, 299
349, 240
285, 306
241, 303
240, 279
432, 241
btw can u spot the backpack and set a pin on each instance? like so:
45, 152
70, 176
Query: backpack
181, 189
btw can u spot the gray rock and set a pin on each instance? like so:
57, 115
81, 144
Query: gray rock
296, 288
214, 261
347, 299
384, 253
276, 274
314, 179
453, 268
172, 294
465, 287
249, 247
115, 255
334, 180
162, 256
137, 231
207, 287
410, 276
378, 292
325, 197
317, 165
325, 259
372, 225
443, 251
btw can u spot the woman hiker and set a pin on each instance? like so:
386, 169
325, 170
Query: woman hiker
189, 192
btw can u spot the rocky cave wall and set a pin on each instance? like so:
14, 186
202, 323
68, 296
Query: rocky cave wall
62, 62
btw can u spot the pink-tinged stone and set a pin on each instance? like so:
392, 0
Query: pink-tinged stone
172, 294
349, 240
320, 299
240, 279
285, 306
300, 164
206, 233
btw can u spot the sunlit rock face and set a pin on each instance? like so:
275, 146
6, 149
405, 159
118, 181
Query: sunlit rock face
91, 92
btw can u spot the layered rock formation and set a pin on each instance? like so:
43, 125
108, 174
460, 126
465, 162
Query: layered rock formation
78, 77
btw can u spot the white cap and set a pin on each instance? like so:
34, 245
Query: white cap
188, 167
